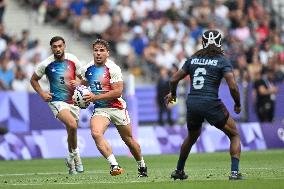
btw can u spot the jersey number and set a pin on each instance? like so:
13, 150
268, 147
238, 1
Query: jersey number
98, 85
62, 80
198, 79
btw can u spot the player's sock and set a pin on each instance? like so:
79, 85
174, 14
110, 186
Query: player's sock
111, 159
141, 163
234, 164
71, 155
75, 150
181, 163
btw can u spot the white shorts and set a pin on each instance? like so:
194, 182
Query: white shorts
115, 115
57, 106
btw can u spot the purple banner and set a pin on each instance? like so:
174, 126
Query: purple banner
153, 140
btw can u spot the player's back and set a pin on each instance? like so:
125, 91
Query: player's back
206, 74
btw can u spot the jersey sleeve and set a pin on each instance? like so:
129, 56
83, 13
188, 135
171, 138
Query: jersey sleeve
115, 74
40, 68
227, 66
186, 66
83, 70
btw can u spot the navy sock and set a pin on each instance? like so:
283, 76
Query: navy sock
234, 164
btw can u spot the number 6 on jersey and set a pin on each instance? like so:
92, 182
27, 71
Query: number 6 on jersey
198, 79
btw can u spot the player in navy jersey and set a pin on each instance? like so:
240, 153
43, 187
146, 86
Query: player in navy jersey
61, 70
105, 80
206, 69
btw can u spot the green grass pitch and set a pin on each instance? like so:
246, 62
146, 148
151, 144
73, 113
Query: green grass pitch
262, 169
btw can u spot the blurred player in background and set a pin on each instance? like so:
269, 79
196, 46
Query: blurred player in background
105, 80
206, 69
61, 69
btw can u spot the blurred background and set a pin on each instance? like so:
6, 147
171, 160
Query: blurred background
150, 40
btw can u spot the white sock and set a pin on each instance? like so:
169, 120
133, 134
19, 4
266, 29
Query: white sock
141, 163
74, 152
111, 159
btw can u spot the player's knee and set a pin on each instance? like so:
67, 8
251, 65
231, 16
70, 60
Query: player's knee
72, 124
96, 134
129, 140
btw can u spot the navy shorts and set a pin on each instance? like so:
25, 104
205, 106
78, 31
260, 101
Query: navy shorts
199, 109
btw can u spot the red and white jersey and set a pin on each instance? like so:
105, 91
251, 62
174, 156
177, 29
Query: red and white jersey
100, 79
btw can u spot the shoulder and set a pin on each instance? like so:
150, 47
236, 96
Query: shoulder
224, 59
112, 65
85, 67
47, 61
71, 57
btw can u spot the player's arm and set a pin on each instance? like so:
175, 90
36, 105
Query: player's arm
234, 90
266, 91
116, 92
34, 82
84, 82
74, 83
179, 75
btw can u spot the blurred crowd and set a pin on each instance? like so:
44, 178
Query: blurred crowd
149, 35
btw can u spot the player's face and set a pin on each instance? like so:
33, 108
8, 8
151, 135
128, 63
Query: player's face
100, 54
58, 48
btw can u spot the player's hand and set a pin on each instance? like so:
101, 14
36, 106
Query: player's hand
91, 97
170, 98
273, 90
73, 83
237, 109
46, 96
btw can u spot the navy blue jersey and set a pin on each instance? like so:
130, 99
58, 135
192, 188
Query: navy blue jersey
206, 74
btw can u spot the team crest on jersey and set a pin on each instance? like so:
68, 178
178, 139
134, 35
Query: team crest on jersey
53, 70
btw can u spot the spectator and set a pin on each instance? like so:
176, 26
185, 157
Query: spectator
125, 10
6, 71
101, 19
265, 95
265, 53
141, 8
139, 41
114, 33
2, 10
76, 8
163, 89
21, 82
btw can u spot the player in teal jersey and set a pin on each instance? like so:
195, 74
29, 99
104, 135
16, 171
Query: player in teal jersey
61, 70
105, 80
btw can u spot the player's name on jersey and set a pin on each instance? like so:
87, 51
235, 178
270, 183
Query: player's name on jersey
203, 61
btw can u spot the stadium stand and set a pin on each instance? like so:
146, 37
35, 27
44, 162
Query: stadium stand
146, 35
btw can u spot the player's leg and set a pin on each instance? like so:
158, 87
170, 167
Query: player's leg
99, 124
122, 122
231, 131
221, 119
186, 146
194, 124
125, 132
66, 117
70, 122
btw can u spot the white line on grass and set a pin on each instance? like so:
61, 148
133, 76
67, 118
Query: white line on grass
78, 183
105, 171
50, 173
117, 182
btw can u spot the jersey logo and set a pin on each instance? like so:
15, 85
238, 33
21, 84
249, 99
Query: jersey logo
90, 73
53, 70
